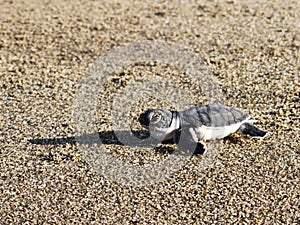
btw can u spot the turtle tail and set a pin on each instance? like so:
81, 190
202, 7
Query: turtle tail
253, 131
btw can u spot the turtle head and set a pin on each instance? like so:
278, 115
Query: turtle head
156, 119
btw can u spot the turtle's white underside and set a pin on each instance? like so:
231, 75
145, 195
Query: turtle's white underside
211, 133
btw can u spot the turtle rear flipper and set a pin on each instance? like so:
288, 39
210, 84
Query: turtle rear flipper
253, 131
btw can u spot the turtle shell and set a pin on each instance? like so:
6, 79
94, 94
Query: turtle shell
213, 116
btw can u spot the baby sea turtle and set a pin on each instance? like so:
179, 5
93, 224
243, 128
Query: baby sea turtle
202, 123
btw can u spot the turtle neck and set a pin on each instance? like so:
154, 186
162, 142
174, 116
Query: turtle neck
179, 120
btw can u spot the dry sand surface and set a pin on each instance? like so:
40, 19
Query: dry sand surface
46, 49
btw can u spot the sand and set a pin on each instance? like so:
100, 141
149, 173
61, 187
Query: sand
251, 48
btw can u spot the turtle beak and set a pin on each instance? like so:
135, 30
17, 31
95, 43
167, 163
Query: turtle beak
145, 118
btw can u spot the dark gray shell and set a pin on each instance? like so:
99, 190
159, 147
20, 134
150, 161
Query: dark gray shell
213, 116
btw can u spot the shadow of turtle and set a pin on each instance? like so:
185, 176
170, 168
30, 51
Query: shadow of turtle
113, 138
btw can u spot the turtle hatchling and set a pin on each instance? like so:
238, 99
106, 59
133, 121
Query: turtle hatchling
203, 123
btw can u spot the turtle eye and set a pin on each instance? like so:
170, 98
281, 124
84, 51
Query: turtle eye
155, 118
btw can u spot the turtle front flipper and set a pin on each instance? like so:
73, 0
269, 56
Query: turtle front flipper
253, 131
187, 141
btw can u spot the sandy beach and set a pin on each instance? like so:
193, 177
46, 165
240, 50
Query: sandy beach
48, 50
